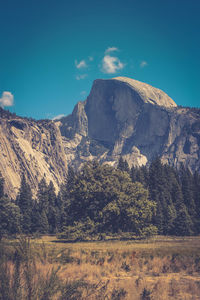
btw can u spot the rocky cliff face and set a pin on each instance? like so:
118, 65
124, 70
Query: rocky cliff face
31, 148
121, 116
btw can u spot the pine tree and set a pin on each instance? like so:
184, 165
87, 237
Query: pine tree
157, 189
133, 174
171, 216
42, 196
196, 182
25, 203
60, 204
123, 165
188, 191
183, 223
1, 186
71, 176
53, 212
43, 206
9, 217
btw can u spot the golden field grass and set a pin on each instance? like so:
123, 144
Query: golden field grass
157, 268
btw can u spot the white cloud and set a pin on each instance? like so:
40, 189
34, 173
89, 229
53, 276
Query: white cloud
143, 64
111, 64
7, 99
82, 76
111, 49
83, 93
58, 117
80, 65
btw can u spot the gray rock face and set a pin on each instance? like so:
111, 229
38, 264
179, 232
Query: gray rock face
122, 116
34, 149
148, 93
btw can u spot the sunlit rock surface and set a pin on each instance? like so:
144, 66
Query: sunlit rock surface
120, 117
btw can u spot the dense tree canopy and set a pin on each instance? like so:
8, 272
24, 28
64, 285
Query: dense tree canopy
100, 199
10, 218
110, 199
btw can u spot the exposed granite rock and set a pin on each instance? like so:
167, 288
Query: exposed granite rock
122, 116
31, 148
148, 93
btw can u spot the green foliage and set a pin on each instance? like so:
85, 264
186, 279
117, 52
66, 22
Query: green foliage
1, 186
183, 222
25, 203
173, 193
53, 211
100, 200
107, 199
9, 217
79, 231
123, 165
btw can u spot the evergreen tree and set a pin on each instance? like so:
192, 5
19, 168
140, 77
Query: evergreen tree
25, 203
43, 206
64, 197
133, 174
9, 217
53, 210
42, 196
196, 182
157, 189
1, 186
60, 204
165, 189
183, 223
71, 176
123, 165
43, 222
171, 216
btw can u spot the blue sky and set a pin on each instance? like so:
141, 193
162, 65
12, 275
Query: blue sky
52, 50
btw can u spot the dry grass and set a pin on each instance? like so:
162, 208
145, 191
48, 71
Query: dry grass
159, 268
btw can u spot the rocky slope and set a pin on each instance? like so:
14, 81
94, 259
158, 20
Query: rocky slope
121, 116
31, 148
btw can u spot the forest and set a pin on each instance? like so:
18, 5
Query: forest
101, 201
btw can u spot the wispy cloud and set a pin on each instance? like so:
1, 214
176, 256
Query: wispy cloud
82, 76
143, 64
83, 93
91, 58
80, 65
7, 99
58, 117
111, 49
111, 64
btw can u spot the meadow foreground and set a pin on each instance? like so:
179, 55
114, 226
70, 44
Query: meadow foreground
157, 268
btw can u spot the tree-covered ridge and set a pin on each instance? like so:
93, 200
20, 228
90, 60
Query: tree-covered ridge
101, 200
177, 195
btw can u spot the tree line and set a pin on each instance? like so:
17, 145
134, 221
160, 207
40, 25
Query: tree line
101, 200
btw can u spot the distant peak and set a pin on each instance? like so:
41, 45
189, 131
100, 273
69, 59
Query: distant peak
149, 93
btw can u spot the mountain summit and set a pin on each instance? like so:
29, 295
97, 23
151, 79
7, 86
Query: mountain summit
148, 93
120, 117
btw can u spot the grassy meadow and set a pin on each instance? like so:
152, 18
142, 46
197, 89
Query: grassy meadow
156, 268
